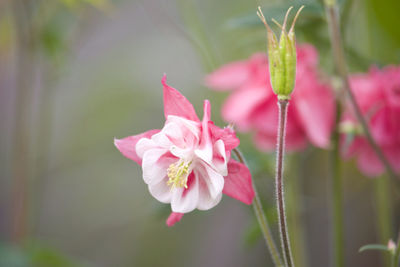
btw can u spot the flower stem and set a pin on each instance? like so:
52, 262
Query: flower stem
283, 106
336, 194
341, 68
383, 216
262, 219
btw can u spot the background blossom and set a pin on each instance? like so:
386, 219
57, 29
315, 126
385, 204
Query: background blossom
378, 94
252, 103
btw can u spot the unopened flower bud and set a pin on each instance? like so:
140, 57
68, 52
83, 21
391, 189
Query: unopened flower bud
282, 56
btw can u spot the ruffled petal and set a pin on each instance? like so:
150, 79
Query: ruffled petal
173, 218
155, 165
179, 135
186, 200
227, 135
161, 191
127, 146
213, 179
205, 150
176, 104
238, 183
210, 187
219, 161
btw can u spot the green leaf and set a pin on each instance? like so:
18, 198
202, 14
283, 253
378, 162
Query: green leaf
373, 247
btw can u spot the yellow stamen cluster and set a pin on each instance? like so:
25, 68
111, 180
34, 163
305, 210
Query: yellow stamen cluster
178, 174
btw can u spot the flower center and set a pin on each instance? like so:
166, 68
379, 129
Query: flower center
178, 174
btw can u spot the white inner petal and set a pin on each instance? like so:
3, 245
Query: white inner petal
154, 169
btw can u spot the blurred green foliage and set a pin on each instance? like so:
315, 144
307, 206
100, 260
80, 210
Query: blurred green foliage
33, 254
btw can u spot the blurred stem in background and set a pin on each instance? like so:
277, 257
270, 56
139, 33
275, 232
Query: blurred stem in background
43, 139
50, 64
341, 68
262, 219
295, 209
25, 45
383, 214
336, 193
197, 34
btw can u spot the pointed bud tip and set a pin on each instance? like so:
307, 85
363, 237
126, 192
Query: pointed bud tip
295, 18
285, 20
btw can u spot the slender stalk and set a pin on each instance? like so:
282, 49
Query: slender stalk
262, 219
285, 243
341, 68
336, 194
396, 256
295, 207
383, 217
21, 160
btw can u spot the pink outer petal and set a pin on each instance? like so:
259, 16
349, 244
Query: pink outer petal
350, 148
307, 56
230, 76
176, 104
127, 145
368, 163
227, 135
173, 218
241, 104
316, 112
294, 142
238, 183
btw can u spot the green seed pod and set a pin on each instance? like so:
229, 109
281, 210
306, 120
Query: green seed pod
282, 56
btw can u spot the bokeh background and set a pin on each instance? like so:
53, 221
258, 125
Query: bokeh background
74, 74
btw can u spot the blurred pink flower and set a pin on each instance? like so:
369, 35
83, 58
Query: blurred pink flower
252, 104
378, 94
188, 162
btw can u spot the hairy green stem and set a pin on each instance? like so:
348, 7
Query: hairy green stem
262, 219
341, 68
280, 199
383, 216
336, 194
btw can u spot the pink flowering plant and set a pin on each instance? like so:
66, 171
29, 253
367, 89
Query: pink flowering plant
304, 137
378, 95
251, 106
190, 163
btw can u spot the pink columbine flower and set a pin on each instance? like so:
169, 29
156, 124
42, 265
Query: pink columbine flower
252, 104
378, 95
188, 162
